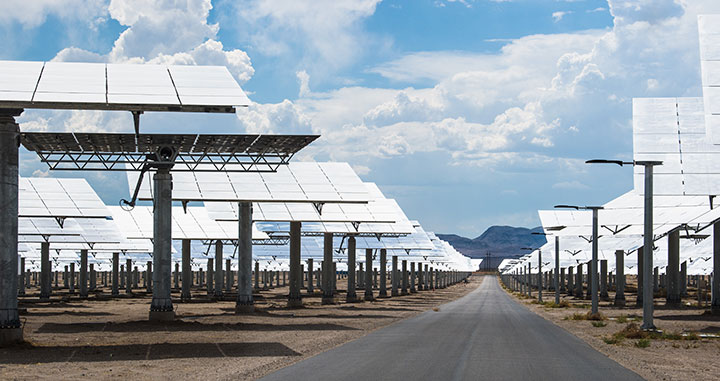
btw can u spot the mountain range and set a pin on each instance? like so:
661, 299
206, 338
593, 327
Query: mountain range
499, 241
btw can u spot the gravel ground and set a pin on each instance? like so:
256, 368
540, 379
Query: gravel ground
663, 359
108, 339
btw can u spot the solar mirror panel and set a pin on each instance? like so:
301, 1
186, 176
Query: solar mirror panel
672, 130
296, 182
59, 197
99, 86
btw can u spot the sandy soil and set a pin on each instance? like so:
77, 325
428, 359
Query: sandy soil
107, 339
663, 359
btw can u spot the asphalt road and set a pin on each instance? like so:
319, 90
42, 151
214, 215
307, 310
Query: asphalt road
483, 335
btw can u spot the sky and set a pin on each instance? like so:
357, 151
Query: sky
470, 113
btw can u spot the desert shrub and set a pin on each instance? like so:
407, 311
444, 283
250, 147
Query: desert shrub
643, 343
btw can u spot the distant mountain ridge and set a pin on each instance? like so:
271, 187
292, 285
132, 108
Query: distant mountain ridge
500, 241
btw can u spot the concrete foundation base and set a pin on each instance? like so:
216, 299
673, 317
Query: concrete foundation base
244, 309
328, 300
295, 303
369, 298
619, 303
10, 336
162, 315
352, 299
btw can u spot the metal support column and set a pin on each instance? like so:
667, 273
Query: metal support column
83, 273
648, 307
393, 277
558, 273
161, 307
672, 271
404, 289
715, 301
640, 269
593, 278
219, 281
328, 273
383, 274
128, 276
185, 294
294, 297
310, 271
412, 278
351, 294
619, 278
44, 271
10, 330
368, 275
115, 275
603, 279
229, 276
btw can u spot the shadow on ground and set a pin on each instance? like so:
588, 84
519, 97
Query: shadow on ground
28, 354
146, 326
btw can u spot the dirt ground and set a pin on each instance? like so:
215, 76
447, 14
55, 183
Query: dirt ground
111, 338
690, 350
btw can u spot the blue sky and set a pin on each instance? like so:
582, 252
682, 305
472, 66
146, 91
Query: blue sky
470, 113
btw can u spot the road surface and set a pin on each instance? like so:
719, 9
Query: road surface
483, 335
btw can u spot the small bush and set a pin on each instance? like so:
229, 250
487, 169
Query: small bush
643, 343
633, 331
612, 339
598, 324
586, 316
562, 304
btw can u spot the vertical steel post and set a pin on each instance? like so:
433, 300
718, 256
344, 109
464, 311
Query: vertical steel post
115, 274
219, 281
540, 276
10, 329
383, 274
185, 294
593, 279
45, 271
328, 273
128, 276
294, 297
558, 273
619, 278
672, 271
393, 277
351, 294
715, 301
83, 273
368, 275
648, 306
161, 307
310, 271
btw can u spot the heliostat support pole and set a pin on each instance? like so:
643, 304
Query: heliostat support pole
648, 307
161, 307
83, 273
558, 273
351, 295
294, 297
186, 271
619, 278
45, 271
383, 274
10, 330
218, 269
328, 273
368, 275
244, 302
115, 275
